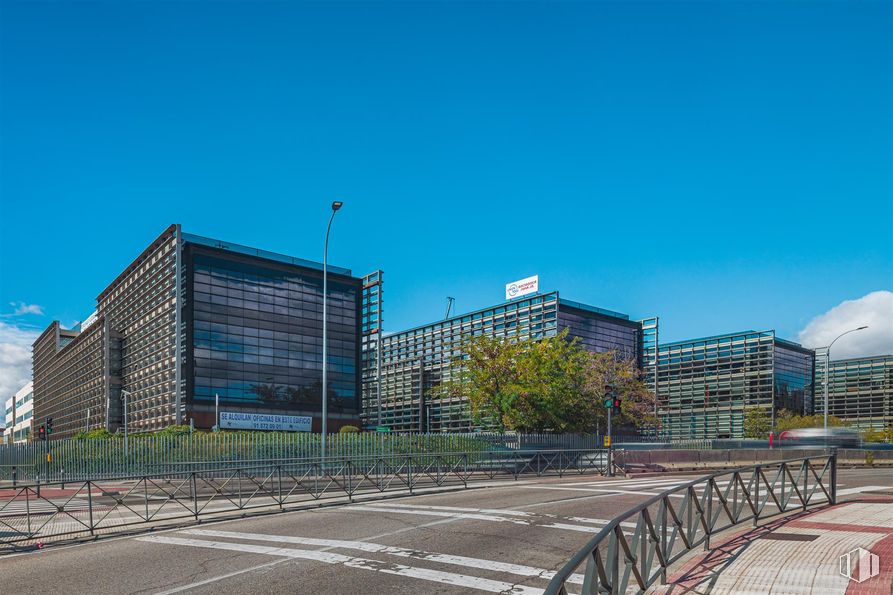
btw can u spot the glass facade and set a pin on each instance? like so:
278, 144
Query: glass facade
417, 360
257, 335
860, 390
794, 377
704, 385
192, 317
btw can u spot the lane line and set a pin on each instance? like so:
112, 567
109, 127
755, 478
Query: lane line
519, 569
436, 576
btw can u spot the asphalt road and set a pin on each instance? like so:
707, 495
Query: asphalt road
504, 537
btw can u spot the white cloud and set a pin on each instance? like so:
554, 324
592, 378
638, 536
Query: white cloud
15, 358
874, 310
23, 308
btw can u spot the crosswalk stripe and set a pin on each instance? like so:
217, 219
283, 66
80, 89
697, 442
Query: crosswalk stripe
443, 513
612, 490
592, 490
629, 482
530, 521
511, 512
365, 546
437, 576
460, 509
599, 521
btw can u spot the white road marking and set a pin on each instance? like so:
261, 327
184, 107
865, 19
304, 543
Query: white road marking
437, 576
508, 511
592, 490
443, 513
617, 490
629, 482
599, 521
857, 490
579, 528
459, 509
365, 546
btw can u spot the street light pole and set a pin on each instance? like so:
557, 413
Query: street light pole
325, 298
828, 370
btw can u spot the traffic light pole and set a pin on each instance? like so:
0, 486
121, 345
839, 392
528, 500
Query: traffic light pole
610, 443
46, 449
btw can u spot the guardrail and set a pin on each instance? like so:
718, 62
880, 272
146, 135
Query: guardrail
33, 513
616, 560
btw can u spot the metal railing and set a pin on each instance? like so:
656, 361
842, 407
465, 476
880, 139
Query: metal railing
74, 459
617, 560
33, 513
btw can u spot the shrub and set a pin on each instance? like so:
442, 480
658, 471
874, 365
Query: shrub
348, 430
182, 430
97, 434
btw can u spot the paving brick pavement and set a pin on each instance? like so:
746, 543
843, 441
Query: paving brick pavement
796, 555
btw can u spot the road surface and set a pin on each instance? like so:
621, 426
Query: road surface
505, 537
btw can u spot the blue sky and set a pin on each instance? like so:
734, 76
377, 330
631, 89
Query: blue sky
723, 165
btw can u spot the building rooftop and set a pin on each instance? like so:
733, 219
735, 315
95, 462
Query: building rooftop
588, 308
239, 248
508, 306
724, 335
858, 359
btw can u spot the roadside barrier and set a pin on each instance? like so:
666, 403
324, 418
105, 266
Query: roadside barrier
667, 529
31, 514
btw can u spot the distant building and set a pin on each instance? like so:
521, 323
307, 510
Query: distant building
860, 391
192, 318
416, 360
19, 415
705, 385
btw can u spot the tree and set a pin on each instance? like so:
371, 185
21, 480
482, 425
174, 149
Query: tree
550, 390
787, 420
549, 384
757, 423
485, 374
610, 368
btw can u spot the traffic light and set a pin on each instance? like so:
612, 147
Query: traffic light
41, 433
616, 405
609, 398
49, 426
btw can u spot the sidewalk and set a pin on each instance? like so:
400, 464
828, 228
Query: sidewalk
796, 555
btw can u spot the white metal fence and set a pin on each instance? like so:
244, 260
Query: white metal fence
61, 460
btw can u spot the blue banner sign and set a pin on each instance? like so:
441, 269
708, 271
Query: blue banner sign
231, 420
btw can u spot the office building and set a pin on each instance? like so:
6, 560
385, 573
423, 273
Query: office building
19, 415
860, 390
416, 360
705, 385
193, 319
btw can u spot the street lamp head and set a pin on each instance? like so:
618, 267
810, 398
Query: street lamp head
862, 327
336, 205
